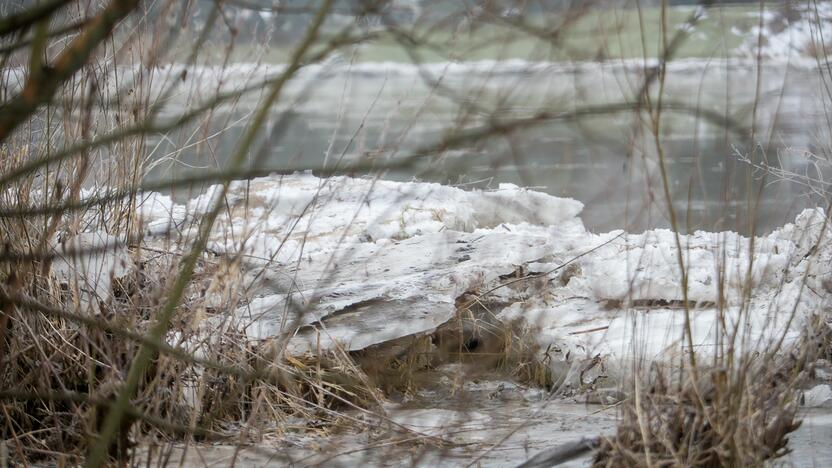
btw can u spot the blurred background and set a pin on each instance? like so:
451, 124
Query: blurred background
431, 67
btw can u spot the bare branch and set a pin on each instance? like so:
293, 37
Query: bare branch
41, 86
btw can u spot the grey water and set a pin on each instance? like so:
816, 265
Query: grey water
723, 121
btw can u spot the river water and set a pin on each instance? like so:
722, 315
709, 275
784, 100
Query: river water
498, 425
366, 117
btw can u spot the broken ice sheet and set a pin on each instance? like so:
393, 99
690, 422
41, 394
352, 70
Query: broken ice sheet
355, 262
88, 262
376, 292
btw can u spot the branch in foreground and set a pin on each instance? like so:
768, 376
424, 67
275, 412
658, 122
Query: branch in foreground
41, 86
25, 19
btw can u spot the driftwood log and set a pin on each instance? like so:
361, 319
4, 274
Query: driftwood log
562, 454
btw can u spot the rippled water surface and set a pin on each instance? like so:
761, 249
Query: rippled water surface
366, 116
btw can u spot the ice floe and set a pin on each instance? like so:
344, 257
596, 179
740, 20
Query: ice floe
350, 263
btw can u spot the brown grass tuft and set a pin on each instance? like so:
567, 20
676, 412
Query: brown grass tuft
740, 414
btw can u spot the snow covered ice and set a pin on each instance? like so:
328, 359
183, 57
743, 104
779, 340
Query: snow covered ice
355, 262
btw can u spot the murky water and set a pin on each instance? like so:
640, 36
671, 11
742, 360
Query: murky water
372, 116
497, 424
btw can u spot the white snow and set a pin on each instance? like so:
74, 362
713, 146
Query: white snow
286, 215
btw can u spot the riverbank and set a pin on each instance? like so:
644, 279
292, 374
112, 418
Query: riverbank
321, 304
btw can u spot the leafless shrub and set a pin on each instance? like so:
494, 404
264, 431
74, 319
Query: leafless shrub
92, 365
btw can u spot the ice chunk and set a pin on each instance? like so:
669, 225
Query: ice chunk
818, 396
88, 262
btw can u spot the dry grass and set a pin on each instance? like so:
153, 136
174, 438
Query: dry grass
58, 386
737, 414
64, 359
474, 345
